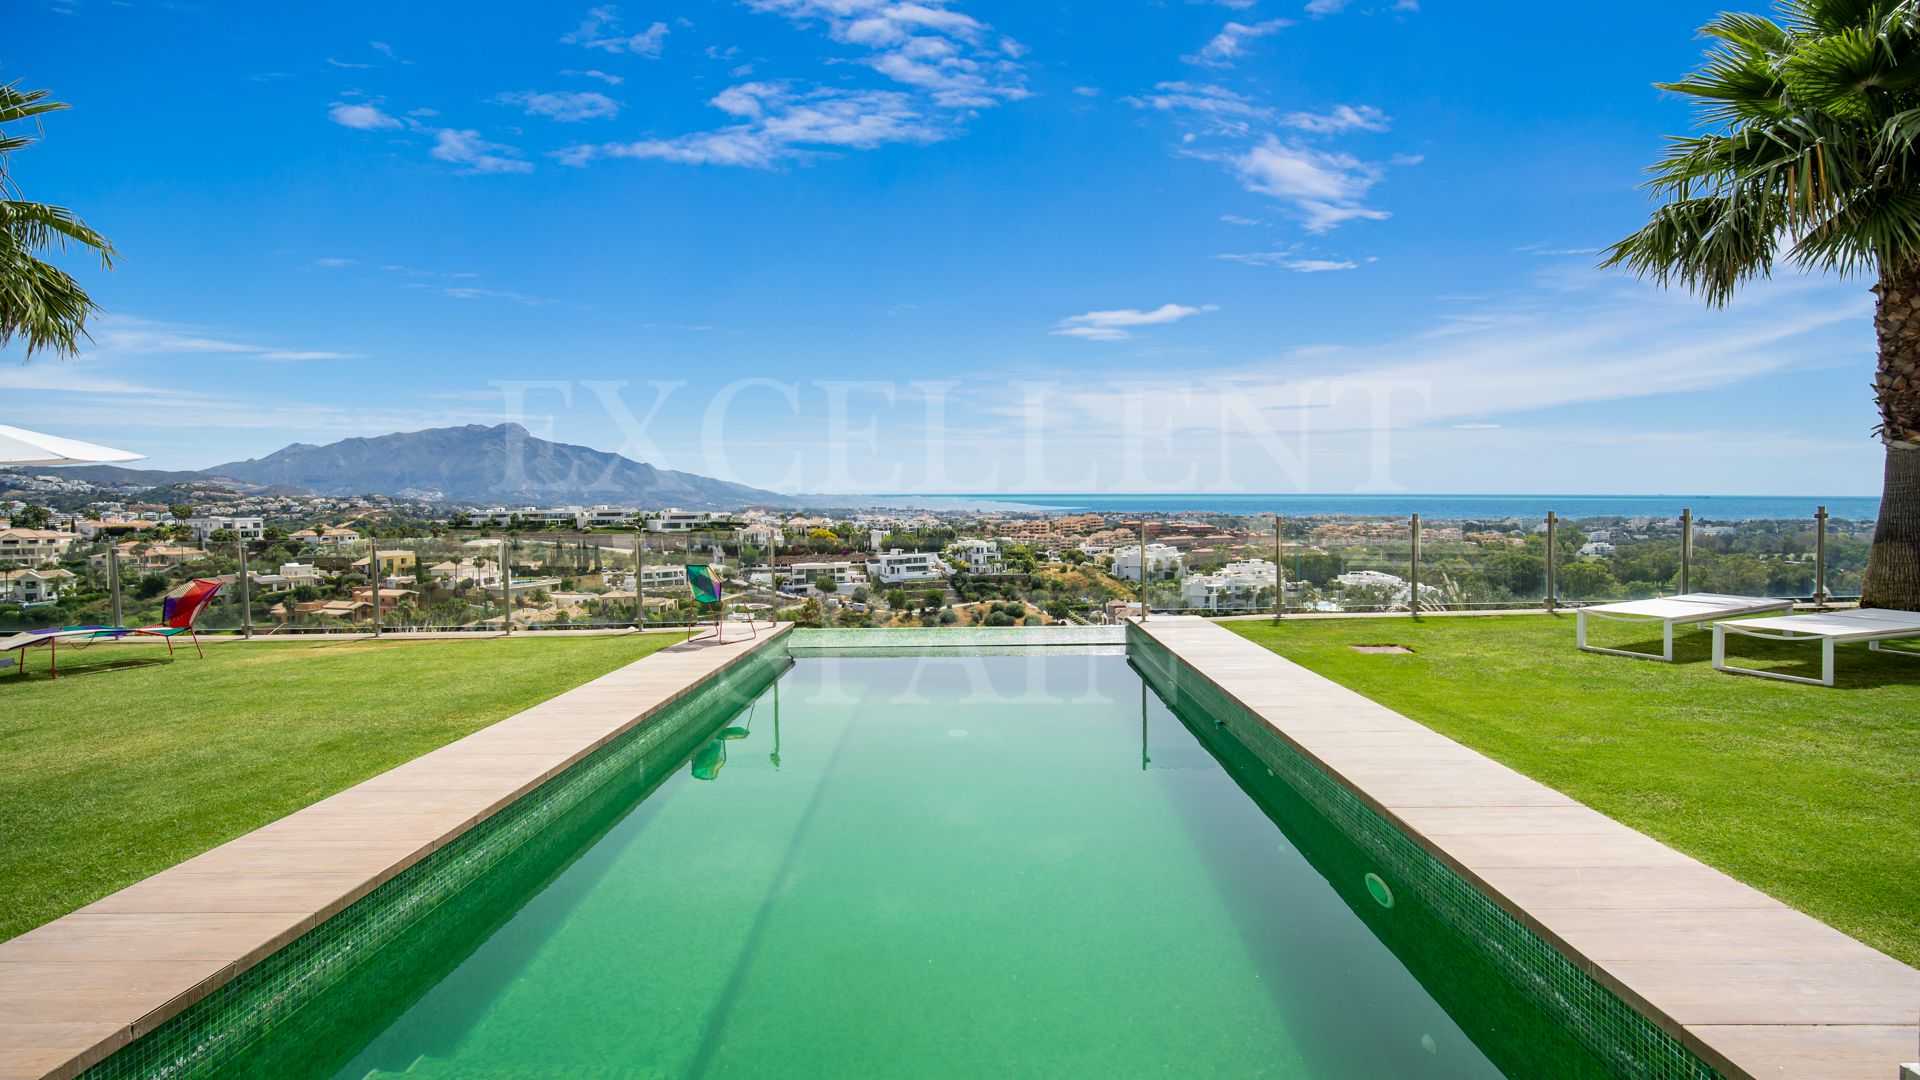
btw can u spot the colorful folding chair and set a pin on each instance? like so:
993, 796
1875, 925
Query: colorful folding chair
178, 611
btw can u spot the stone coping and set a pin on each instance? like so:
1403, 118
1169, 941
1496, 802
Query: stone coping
84, 985
1751, 986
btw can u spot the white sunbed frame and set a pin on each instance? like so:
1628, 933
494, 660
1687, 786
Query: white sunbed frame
1688, 609
1831, 628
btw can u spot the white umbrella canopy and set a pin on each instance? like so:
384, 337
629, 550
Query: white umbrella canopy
18, 446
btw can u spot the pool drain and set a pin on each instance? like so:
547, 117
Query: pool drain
1377, 888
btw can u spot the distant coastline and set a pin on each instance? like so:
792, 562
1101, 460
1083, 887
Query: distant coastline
1434, 507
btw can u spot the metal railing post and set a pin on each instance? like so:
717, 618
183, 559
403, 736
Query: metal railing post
639, 597
246, 593
1413, 561
373, 580
1553, 584
1820, 558
1279, 575
506, 584
1145, 604
1686, 550
113, 580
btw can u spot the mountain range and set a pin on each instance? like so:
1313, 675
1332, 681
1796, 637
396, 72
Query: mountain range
503, 465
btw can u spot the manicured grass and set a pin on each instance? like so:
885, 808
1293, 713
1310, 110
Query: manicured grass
1809, 794
128, 764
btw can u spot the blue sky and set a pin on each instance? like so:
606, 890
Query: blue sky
905, 245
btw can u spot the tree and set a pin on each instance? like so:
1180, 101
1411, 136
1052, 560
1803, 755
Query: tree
826, 583
39, 303
33, 517
180, 511
1812, 156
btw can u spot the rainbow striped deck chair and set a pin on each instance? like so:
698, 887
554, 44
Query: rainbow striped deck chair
178, 611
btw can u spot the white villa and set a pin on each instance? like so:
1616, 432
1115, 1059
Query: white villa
1596, 548
671, 521
290, 576
1233, 587
32, 586
801, 576
1369, 579
982, 556
247, 528
1162, 561
569, 517
898, 567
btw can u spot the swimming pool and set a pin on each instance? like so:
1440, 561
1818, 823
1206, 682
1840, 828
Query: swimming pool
946, 863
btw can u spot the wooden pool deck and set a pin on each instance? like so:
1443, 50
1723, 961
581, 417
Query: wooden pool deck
77, 989
1755, 988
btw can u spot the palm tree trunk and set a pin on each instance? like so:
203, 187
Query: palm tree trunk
1893, 565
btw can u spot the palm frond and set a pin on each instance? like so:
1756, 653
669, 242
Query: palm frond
39, 227
41, 305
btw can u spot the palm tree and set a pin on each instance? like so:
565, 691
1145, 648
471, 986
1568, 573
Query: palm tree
1809, 156
39, 303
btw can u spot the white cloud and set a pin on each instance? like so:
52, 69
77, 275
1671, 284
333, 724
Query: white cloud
1340, 118
953, 57
1325, 189
361, 116
566, 106
778, 124
346, 64
386, 50
1231, 42
596, 73
1322, 8
1117, 325
600, 29
1288, 260
335, 263
466, 147
285, 355
1224, 111
944, 66
117, 338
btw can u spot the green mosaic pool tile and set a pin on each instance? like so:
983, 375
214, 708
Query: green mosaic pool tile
1632, 1045
211, 1034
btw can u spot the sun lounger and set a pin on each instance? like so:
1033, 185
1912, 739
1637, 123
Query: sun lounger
1687, 609
177, 614
1830, 628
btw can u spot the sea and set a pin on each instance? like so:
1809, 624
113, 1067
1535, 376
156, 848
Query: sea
1706, 508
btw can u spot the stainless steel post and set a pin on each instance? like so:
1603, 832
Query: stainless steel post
506, 584
1820, 557
246, 592
373, 579
1413, 583
640, 602
1686, 550
1279, 575
113, 580
1553, 534
1145, 604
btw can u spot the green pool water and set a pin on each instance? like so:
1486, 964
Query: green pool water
931, 866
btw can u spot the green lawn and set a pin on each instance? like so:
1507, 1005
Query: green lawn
127, 764
1809, 794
